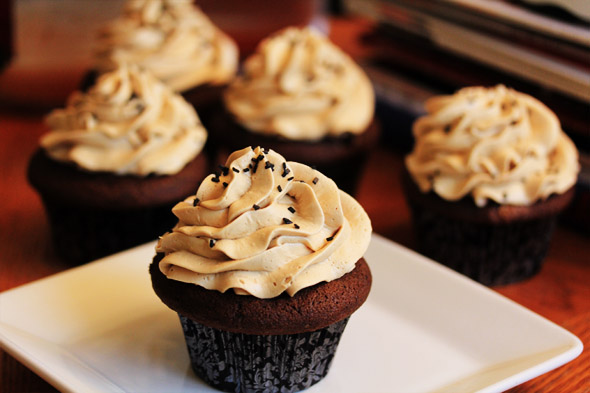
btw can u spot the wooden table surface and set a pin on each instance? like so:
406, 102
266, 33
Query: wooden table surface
560, 292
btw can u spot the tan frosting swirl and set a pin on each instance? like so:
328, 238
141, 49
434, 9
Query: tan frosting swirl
264, 226
128, 123
301, 86
493, 143
171, 38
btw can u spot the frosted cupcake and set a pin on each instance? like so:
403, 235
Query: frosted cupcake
303, 97
177, 43
490, 171
116, 159
264, 268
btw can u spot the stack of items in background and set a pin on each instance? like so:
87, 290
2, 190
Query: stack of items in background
423, 48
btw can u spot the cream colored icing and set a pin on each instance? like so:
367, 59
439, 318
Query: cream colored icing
301, 86
264, 229
173, 39
128, 123
493, 143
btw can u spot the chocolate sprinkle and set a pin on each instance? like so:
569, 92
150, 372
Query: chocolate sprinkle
287, 221
291, 209
211, 243
286, 172
296, 226
256, 161
270, 165
225, 184
196, 201
291, 178
255, 207
246, 170
236, 170
224, 170
266, 150
280, 188
215, 179
330, 238
315, 180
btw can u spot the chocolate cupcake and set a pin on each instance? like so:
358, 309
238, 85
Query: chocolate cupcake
490, 171
264, 269
177, 43
303, 97
114, 163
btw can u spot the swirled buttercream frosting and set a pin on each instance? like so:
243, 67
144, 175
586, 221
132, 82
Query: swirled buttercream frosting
494, 144
263, 226
300, 86
173, 39
128, 123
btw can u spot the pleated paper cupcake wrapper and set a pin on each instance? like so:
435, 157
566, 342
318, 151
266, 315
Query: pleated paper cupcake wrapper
82, 234
236, 362
490, 254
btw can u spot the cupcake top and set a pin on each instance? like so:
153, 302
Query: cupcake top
300, 86
128, 123
264, 226
171, 38
493, 143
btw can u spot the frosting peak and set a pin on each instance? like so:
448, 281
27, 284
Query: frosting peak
301, 86
128, 123
171, 38
264, 226
493, 143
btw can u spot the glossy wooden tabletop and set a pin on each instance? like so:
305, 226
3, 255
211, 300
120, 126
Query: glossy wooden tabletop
560, 292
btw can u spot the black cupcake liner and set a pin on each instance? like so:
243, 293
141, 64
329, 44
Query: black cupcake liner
236, 362
83, 234
492, 254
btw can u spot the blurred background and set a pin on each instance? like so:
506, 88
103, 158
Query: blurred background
411, 49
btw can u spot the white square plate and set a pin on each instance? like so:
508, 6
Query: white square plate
100, 327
